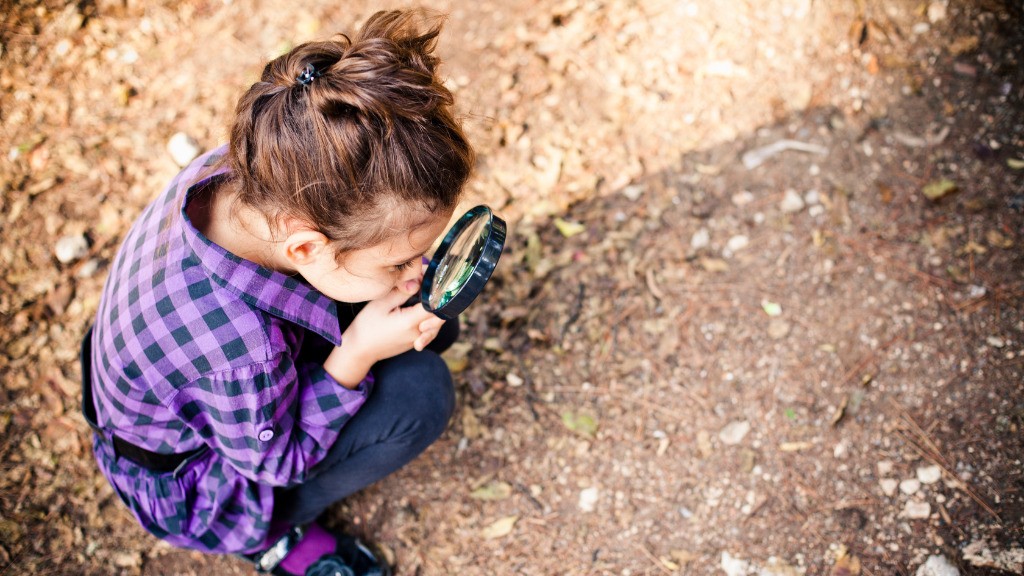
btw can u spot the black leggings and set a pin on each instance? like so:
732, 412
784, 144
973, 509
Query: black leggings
412, 400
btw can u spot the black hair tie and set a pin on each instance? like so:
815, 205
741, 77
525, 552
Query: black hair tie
309, 73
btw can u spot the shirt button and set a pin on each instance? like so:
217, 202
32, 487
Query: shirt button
266, 435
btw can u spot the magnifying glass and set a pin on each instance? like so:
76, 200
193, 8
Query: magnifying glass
463, 263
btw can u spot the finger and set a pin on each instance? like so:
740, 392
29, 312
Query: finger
432, 324
424, 340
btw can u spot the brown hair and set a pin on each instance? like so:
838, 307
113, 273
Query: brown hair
371, 131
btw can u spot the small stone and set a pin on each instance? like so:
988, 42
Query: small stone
936, 12
889, 486
514, 380
995, 341
910, 486
742, 198
812, 197
183, 149
588, 499
937, 566
917, 510
734, 432
778, 328
841, 449
737, 243
792, 202
701, 239
733, 566
70, 248
89, 269
884, 467
633, 192
929, 474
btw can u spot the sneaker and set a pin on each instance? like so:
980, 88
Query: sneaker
349, 557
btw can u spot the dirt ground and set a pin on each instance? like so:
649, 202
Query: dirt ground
697, 357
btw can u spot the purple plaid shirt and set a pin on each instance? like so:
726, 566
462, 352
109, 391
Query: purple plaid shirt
194, 346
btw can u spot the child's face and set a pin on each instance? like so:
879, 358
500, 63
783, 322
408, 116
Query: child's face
371, 273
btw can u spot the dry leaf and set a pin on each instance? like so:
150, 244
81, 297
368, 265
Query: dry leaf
846, 564
499, 528
569, 229
492, 491
580, 423
714, 265
939, 189
795, 446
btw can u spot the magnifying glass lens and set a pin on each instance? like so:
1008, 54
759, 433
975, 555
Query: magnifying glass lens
463, 263
457, 264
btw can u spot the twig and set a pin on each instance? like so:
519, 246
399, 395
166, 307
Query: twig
932, 453
654, 559
574, 315
866, 361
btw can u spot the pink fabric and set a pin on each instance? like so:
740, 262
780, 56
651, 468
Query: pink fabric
315, 543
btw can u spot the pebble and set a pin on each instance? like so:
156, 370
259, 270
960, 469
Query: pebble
791, 202
633, 192
183, 148
778, 328
812, 197
910, 486
937, 566
995, 341
588, 499
936, 12
889, 486
929, 474
70, 248
917, 510
734, 432
884, 467
737, 243
742, 198
89, 269
701, 238
733, 566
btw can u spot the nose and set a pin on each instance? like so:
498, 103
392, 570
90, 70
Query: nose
411, 278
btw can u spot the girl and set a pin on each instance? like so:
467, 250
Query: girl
235, 396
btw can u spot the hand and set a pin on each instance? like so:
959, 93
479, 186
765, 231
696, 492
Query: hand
382, 329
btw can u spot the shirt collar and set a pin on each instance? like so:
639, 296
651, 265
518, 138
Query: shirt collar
290, 298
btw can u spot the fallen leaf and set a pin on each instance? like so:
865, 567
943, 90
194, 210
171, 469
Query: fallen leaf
771, 308
846, 564
492, 491
963, 44
568, 228
580, 423
499, 528
939, 189
840, 410
998, 240
714, 265
471, 428
795, 446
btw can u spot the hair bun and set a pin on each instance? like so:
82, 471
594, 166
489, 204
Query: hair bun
386, 72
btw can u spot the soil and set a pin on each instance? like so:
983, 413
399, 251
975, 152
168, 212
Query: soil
685, 363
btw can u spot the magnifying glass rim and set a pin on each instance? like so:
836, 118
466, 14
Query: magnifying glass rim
493, 245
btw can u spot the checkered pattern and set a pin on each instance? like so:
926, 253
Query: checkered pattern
194, 346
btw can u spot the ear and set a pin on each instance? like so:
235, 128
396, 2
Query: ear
303, 246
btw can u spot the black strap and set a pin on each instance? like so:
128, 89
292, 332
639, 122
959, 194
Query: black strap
154, 461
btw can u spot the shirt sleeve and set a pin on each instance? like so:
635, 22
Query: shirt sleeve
271, 421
